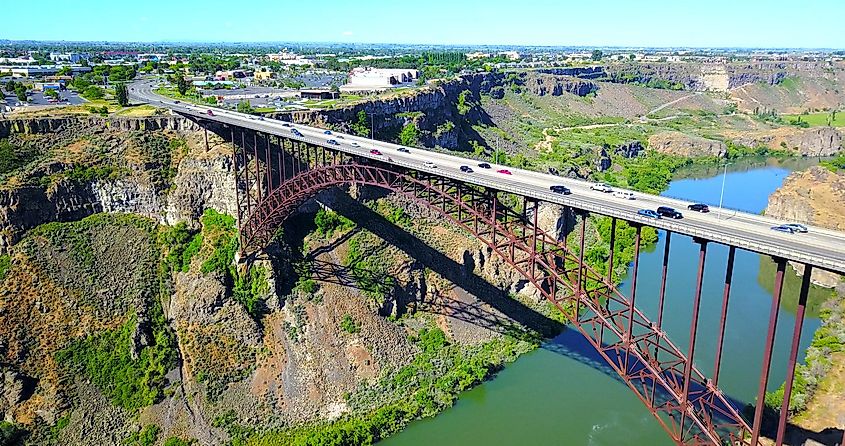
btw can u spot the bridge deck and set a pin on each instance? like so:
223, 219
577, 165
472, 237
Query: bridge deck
820, 247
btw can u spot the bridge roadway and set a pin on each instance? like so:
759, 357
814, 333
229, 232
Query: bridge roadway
820, 247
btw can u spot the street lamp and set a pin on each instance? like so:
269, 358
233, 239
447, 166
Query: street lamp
722, 195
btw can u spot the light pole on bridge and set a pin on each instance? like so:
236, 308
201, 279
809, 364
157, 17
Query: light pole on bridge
722, 195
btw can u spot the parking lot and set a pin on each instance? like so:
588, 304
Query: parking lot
37, 98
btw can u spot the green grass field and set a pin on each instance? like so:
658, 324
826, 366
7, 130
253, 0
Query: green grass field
819, 119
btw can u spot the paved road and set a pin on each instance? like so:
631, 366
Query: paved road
820, 247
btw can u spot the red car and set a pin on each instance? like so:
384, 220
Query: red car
505, 171
375, 152
210, 113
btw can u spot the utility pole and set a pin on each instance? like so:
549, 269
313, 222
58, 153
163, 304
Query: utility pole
722, 195
496, 154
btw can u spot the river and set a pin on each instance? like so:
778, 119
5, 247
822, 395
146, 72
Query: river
560, 394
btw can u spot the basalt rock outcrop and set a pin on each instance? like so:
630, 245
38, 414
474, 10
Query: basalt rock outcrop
681, 144
815, 196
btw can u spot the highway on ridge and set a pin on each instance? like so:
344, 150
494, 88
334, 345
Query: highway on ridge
820, 247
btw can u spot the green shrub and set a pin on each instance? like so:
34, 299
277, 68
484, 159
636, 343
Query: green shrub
11, 434
176, 441
349, 325
148, 436
106, 358
5, 265
220, 230
251, 289
328, 222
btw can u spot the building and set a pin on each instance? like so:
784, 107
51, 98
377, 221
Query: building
318, 94
510, 55
230, 74
282, 55
477, 55
375, 79
68, 57
41, 70
263, 74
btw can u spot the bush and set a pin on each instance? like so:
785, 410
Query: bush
107, 359
148, 436
221, 232
11, 434
328, 222
349, 325
93, 92
251, 289
5, 265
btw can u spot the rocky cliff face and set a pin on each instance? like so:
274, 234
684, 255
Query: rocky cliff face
203, 179
815, 196
681, 144
817, 141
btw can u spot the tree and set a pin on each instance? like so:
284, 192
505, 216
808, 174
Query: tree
182, 85
121, 94
93, 92
65, 71
20, 92
245, 107
409, 136
10, 86
597, 55
51, 93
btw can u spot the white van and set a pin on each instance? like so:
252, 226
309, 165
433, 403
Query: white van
623, 194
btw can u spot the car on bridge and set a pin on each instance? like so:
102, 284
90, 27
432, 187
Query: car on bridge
623, 194
484, 165
296, 132
285, 124
403, 150
375, 152
560, 189
339, 137
504, 172
699, 207
177, 101
430, 165
354, 144
648, 213
783, 228
666, 211
209, 112
466, 169
327, 132
797, 227
333, 142
601, 187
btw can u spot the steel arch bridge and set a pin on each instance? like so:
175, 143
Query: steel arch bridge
275, 175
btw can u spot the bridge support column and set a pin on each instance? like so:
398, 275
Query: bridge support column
724, 316
793, 353
610, 252
580, 286
693, 333
663, 281
767, 354
629, 333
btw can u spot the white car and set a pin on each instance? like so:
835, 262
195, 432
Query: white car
430, 165
602, 187
625, 195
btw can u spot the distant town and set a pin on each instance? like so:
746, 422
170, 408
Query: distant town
267, 78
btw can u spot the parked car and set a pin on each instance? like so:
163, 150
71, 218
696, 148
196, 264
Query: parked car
484, 165
623, 194
648, 213
797, 227
560, 189
466, 169
404, 150
430, 164
699, 207
666, 211
783, 228
333, 142
504, 171
328, 132
601, 187
375, 152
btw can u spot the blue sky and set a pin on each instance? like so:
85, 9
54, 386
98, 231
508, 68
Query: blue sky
702, 23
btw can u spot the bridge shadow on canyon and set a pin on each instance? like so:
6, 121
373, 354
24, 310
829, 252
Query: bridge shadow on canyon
494, 309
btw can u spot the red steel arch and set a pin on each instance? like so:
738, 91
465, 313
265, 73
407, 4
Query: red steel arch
688, 405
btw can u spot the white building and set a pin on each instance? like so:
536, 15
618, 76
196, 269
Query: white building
373, 79
68, 57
